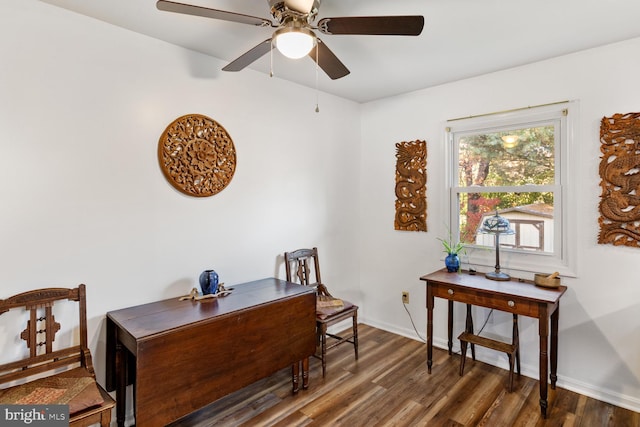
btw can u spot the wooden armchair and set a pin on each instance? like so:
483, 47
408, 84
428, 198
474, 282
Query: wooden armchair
301, 265
51, 376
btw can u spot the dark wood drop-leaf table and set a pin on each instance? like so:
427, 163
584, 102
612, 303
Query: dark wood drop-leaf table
183, 355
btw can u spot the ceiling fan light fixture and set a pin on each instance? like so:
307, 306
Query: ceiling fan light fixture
510, 141
294, 42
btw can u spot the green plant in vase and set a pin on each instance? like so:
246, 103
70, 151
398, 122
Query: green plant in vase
452, 249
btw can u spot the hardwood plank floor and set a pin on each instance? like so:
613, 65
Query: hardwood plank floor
389, 386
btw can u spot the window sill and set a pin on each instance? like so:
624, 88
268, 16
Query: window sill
515, 264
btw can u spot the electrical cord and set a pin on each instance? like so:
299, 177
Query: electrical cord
424, 340
485, 322
414, 325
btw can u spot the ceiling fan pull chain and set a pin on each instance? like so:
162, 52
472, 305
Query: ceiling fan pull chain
317, 94
271, 59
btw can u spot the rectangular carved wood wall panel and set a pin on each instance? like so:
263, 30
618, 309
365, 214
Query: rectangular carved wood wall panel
620, 180
411, 186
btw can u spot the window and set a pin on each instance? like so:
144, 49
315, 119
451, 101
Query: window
514, 163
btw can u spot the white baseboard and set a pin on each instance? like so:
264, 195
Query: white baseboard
493, 358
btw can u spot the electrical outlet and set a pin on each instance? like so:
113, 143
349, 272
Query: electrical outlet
405, 297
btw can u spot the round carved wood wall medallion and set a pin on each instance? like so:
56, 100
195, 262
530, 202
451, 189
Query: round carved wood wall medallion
197, 155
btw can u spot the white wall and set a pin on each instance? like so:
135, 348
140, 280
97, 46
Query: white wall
82, 106
599, 322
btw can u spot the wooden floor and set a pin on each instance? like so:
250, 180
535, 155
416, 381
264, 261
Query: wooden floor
389, 386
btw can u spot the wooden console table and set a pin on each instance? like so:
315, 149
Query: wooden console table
183, 355
515, 296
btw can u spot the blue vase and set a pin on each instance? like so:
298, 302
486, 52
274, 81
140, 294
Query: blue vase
209, 282
452, 262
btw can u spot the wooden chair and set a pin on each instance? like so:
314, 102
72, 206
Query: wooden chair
51, 376
301, 265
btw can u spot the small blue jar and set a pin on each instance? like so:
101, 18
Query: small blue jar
209, 282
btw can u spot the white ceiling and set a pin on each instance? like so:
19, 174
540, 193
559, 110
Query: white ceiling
461, 38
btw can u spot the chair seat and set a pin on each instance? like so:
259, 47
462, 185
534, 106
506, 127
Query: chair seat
323, 312
76, 388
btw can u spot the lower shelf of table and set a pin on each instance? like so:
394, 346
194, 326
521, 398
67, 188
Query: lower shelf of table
488, 343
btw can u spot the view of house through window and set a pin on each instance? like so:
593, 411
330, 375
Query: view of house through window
511, 170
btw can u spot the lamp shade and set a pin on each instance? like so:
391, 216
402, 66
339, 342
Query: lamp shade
294, 43
496, 225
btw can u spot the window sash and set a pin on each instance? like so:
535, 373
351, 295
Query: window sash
563, 116
557, 212
556, 122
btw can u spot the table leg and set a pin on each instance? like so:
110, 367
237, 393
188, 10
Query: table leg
515, 340
133, 390
121, 383
469, 329
543, 328
295, 375
554, 346
429, 328
110, 365
450, 326
305, 373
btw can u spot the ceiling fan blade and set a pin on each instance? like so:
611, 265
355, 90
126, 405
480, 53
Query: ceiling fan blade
328, 61
248, 57
302, 6
188, 9
373, 25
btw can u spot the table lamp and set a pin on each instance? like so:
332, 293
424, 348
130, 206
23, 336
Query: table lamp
497, 226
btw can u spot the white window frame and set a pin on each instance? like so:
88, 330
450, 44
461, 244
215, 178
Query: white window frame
565, 237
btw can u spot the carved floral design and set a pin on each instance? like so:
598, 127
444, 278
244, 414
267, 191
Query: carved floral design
620, 180
197, 155
411, 188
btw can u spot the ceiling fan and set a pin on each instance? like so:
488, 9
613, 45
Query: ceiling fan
294, 35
